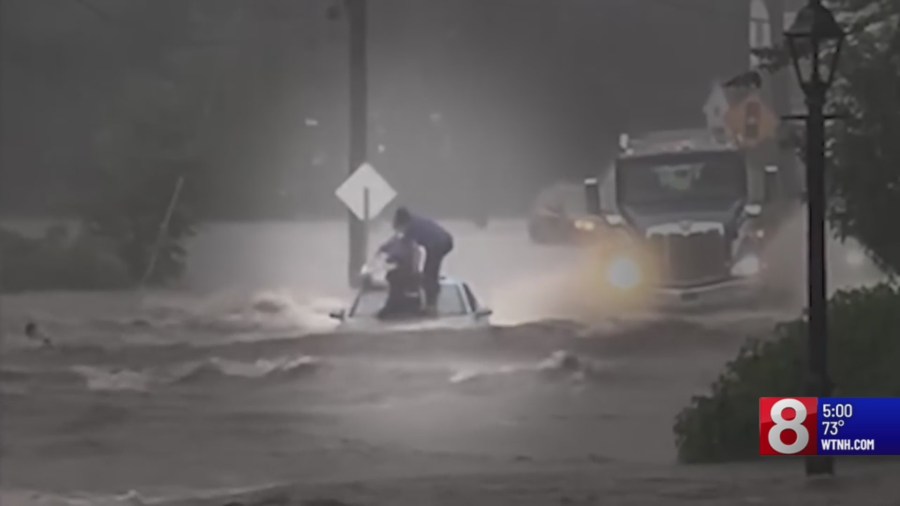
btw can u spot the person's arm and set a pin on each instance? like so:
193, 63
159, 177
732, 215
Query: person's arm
387, 250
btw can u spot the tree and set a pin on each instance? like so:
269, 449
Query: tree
863, 155
148, 145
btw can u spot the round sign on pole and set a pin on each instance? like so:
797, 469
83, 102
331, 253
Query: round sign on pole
751, 121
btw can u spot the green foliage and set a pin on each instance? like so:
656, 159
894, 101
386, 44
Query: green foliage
863, 155
864, 350
146, 149
130, 217
55, 262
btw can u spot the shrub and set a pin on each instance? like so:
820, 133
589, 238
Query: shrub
864, 350
57, 263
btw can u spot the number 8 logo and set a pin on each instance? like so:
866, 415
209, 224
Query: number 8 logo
795, 425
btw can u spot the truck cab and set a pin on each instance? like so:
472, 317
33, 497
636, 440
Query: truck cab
692, 207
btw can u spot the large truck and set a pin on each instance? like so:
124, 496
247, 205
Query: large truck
693, 214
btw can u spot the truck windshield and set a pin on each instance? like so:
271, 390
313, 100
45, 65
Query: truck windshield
682, 180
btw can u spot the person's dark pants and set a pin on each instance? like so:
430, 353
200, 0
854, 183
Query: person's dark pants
403, 299
431, 272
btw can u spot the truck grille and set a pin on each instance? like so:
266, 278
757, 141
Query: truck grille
692, 259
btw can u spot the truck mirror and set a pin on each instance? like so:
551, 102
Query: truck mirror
592, 196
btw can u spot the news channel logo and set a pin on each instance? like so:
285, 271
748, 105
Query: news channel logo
803, 426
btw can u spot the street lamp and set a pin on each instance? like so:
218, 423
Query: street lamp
814, 42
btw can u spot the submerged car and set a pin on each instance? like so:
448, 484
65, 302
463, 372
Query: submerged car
457, 307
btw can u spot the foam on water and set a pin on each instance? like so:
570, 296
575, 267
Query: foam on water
31, 498
560, 364
267, 310
20, 497
111, 379
105, 379
159, 319
261, 368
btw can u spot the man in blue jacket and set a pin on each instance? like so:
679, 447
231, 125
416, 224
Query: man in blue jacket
436, 242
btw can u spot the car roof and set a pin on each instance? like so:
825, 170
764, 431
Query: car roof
445, 281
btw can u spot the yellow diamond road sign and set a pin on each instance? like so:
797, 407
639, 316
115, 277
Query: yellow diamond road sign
365, 187
751, 121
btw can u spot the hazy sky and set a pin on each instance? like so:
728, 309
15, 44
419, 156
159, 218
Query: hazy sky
498, 96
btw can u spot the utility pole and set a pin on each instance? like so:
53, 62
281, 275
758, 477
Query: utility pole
357, 21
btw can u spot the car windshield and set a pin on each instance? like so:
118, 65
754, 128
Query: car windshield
450, 302
369, 303
682, 180
562, 197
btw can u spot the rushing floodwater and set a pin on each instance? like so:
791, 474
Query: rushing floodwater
241, 381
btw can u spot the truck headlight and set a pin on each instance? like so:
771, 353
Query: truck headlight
624, 273
585, 225
614, 220
746, 266
753, 209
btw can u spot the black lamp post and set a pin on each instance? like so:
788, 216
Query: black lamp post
815, 41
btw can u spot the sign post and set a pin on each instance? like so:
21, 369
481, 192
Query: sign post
364, 240
365, 193
358, 34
